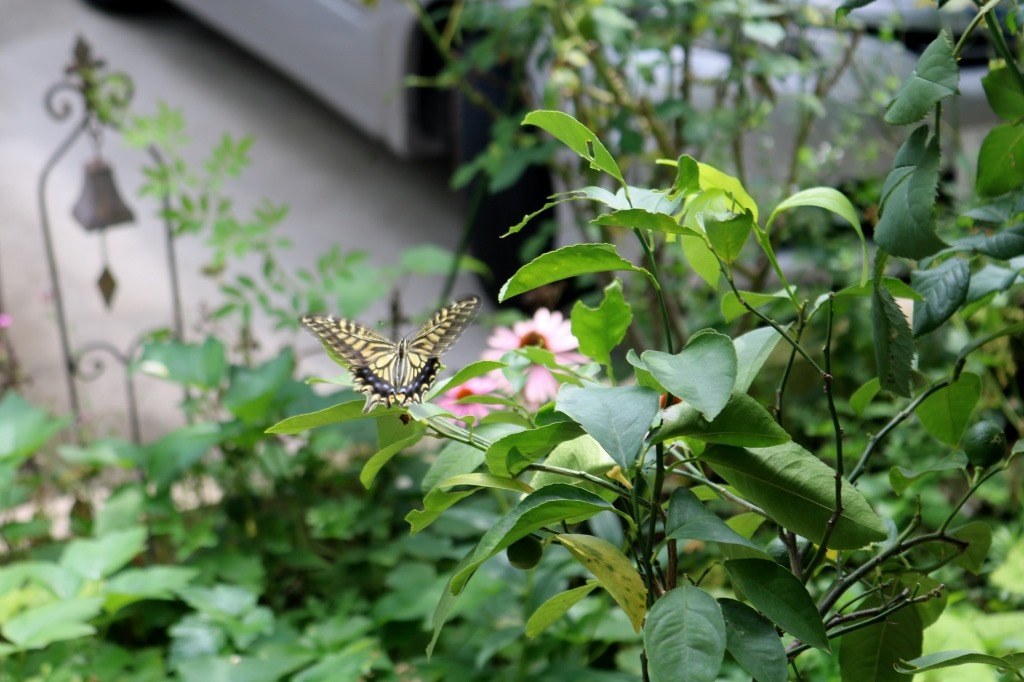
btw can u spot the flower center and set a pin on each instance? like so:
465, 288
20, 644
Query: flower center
463, 392
533, 339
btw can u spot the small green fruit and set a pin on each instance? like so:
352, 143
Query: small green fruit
985, 444
525, 553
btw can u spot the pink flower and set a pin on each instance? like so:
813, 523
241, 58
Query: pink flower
476, 386
547, 330
5, 320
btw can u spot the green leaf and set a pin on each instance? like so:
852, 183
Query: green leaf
943, 289
581, 454
569, 261
752, 351
901, 478
599, 330
616, 572
753, 642
728, 233
576, 137
732, 307
470, 371
192, 365
831, 200
556, 607
689, 519
152, 582
643, 219
511, 454
991, 279
701, 258
863, 396
617, 417
703, 373
550, 505
1000, 161
385, 455
869, 653
780, 596
431, 259
95, 559
713, 179
894, 344
123, 509
166, 459
952, 659
907, 225
947, 411
240, 668
56, 622
23, 428
1003, 93
335, 414
743, 422
978, 537
934, 78
687, 176
685, 631
797, 490
252, 390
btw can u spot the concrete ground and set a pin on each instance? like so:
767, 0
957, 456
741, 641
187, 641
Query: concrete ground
343, 190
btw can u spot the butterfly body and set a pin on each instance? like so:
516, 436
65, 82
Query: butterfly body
394, 372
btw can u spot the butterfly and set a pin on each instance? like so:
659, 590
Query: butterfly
387, 371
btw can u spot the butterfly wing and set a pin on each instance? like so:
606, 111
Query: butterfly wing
368, 355
443, 330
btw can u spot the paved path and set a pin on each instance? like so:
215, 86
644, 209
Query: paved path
343, 189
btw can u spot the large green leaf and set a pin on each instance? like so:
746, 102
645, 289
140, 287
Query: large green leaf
753, 642
798, 491
901, 478
870, 653
615, 571
98, 558
780, 596
1001, 161
685, 635
23, 428
617, 417
384, 455
599, 330
563, 263
703, 373
956, 658
202, 366
335, 414
166, 459
934, 78
1003, 93
752, 350
907, 225
576, 137
947, 411
689, 519
55, 622
894, 344
556, 607
643, 219
831, 200
241, 668
743, 422
943, 290
153, 582
728, 233
252, 390
581, 454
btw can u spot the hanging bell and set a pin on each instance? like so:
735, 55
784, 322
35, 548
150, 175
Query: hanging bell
100, 205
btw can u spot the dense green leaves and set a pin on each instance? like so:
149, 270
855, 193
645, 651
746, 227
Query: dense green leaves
685, 631
798, 491
689, 519
23, 428
201, 366
753, 642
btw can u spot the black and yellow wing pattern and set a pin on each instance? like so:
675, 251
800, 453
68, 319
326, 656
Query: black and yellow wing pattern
391, 372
